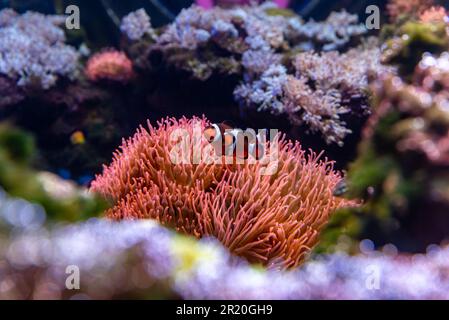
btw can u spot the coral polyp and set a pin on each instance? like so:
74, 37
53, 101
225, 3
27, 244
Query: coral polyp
271, 219
109, 65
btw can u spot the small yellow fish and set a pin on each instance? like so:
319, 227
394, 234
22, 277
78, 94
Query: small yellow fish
78, 138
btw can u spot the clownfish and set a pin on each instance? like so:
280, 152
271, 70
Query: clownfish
224, 138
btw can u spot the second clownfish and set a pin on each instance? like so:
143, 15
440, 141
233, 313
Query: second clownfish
225, 139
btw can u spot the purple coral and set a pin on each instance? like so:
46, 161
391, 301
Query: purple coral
248, 37
223, 24
324, 87
7, 16
266, 92
32, 49
253, 37
136, 24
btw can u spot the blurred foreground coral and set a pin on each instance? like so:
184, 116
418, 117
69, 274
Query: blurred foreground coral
139, 259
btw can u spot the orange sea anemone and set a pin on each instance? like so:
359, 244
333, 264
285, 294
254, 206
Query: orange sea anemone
109, 65
273, 219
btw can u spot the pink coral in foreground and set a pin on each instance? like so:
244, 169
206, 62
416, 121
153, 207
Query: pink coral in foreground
109, 65
270, 219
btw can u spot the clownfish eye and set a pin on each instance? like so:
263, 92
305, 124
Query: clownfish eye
212, 133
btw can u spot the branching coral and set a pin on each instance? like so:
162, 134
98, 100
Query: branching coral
266, 92
324, 87
32, 49
270, 219
224, 27
109, 65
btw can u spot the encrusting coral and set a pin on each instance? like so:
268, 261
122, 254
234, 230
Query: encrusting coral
270, 219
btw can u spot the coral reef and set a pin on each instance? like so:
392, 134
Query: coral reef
181, 211
140, 259
247, 51
33, 50
402, 166
109, 65
204, 42
271, 219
